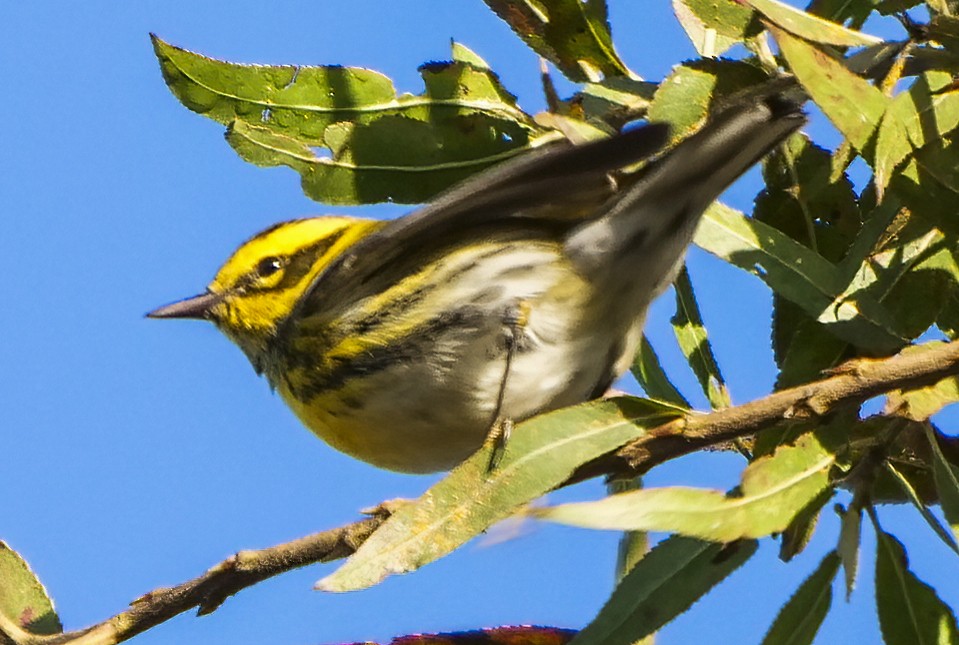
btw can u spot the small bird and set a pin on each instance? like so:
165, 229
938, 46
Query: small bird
409, 343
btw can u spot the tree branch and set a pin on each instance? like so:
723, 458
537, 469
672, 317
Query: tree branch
851, 383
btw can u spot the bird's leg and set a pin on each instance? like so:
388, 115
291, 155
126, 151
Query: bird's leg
514, 321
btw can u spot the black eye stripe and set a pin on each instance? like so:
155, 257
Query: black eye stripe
296, 266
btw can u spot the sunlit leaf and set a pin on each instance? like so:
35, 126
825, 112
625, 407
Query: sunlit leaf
773, 491
714, 26
856, 111
541, 454
797, 274
808, 26
23, 599
684, 98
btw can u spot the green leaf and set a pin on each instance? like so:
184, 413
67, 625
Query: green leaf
921, 403
574, 35
797, 274
652, 377
796, 537
856, 111
800, 618
850, 535
924, 511
694, 343
673, 575
391, 159
464, 121
301, 101
946, 476
842, 10
684, 98
808, 26
910, 611
773, 491
542, 453
715, 26
23, 599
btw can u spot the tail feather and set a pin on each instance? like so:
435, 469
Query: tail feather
650, 223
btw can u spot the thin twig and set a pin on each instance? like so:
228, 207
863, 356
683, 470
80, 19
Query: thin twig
851, 383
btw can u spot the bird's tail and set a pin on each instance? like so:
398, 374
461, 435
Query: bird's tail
649, 224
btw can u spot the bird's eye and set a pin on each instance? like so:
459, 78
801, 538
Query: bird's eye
268, 266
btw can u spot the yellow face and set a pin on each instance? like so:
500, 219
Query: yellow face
261, 283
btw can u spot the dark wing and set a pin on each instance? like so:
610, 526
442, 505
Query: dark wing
545, 189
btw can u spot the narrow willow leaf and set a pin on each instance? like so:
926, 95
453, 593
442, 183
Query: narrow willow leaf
694, 343
850, 536
856, 111
541, 454
810, 27
800, 618
713, 27
651, 376
910, 611
23, 599
574, 35
633, 545
673, 575
946, 476
773, 491
924, 511
363, 171
797, 274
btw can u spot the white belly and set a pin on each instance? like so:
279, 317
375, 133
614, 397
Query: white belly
431, 412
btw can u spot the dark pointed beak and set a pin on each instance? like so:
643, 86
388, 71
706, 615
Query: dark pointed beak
198, 307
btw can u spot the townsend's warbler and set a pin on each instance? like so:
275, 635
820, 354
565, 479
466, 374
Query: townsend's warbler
521, 290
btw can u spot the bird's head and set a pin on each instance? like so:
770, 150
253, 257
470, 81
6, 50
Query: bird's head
258, 287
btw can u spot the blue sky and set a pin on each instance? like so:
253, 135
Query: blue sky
138, 453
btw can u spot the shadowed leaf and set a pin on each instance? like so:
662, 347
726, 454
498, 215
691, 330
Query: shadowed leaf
665, 583
574, 35
651, 376
946, 476
910, 612
800, 618
694, 343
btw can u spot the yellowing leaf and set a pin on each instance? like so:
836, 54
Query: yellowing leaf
542, 453
773, 491
810, 27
